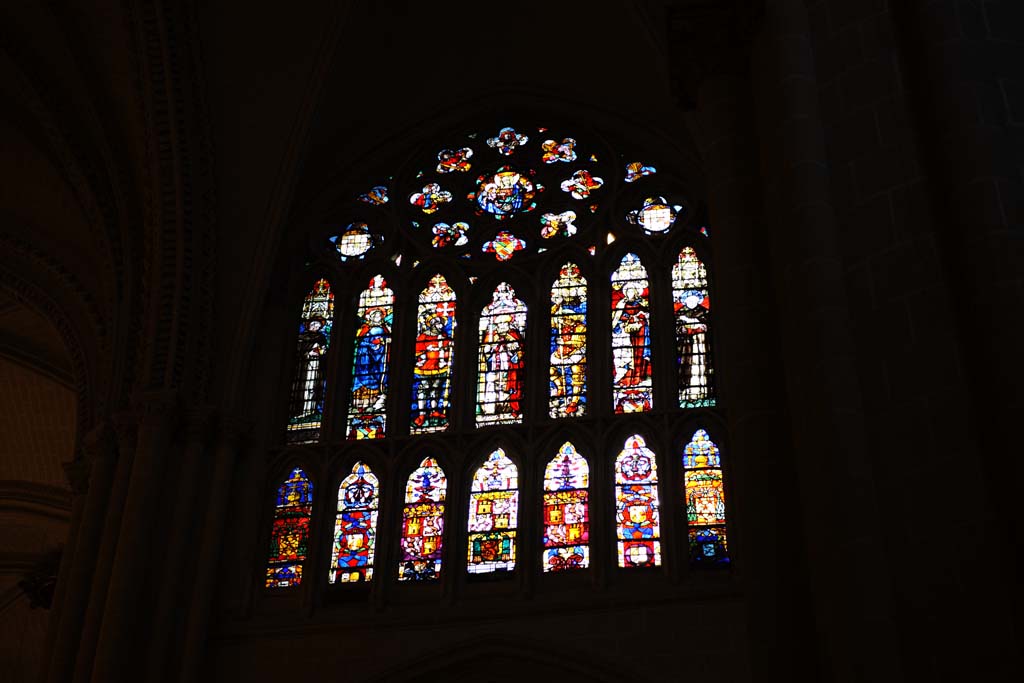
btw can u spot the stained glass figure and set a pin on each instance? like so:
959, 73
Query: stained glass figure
503, 246
423, 523
309, 383
553, 224
637, 170
568, 371
553, 151
506, 141
450, 235
581, 184
450, 160
692, 308
366, 413
500, 376
505, 193
289, 537
354, 242
355, 527
631, 338
566, 511
431, 198
435, 357
656, 215
636, 505
377, 196
493, 516
705, 502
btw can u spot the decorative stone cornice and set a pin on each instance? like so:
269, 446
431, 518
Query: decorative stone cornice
709, 38
43, 499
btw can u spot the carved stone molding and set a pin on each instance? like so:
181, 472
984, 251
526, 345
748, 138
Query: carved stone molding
42, 499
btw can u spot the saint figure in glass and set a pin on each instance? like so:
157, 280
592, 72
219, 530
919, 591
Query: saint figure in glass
309, 383
366, 414
568, 371
500, 378
435, 357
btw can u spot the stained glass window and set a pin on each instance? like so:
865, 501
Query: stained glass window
568, 371
355, 527
705, 502
566, 511
636, 505
309, 383
500, 377
423, 523
289, 536
435, 356
493, 516
366, 413
692, 312
631, 337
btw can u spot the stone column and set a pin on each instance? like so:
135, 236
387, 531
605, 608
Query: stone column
118, 652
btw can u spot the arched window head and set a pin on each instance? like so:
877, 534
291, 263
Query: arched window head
501, 377
355, 527
493, 515
309, 383
289, 536
367, 415
566, 511
636, 505
692, 309
705, 502
435, 357
631, 337
423, 523
568, 370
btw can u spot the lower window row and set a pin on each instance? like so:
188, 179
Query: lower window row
493, 516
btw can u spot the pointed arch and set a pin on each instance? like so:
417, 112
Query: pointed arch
423, 523
493, 515
501, 367
289, 535
355, 527
367, 414
568, 368
692, 310
632, 380
434, 357
309, 382
637, 514
705, 502
566, 511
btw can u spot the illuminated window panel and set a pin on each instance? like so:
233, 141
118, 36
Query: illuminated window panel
566, 512
309, 384
289, 536
434, 351
692, 309
355, 527
631, 338
366, 414
493, 516
423, 523
636, 505
705, 502
568, 369
500, 374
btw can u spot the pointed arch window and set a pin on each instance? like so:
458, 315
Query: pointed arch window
423, 523
309, 382
435, 357
568, 370
692, 309
367, 414
289, 535
355, 527
501, 377
493, 515
566, 511
637, 513
705, 502
631, 337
